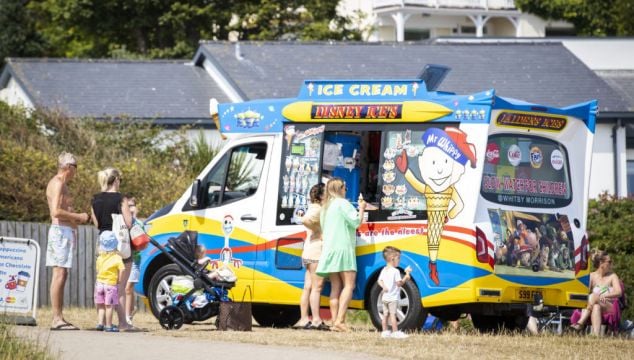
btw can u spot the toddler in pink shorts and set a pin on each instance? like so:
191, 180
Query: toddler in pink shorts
109, 269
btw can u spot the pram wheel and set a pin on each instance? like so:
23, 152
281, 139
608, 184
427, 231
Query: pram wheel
171, 317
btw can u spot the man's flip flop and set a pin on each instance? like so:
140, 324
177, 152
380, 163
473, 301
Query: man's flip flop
64, 326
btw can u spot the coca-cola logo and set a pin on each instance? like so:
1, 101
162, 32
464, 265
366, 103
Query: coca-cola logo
493, 153
514, 154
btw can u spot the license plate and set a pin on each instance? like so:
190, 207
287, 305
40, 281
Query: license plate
527, 294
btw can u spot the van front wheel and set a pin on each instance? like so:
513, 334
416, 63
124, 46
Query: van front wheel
278, 316
410, 313
160, 294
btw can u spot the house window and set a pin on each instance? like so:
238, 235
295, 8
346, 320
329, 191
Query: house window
416, 34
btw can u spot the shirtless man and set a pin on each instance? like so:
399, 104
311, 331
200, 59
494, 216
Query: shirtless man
61, 235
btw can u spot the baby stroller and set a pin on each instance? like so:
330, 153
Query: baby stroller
199, 301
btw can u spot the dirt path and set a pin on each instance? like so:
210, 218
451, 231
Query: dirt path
93, 345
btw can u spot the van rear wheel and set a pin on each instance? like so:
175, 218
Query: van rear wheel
278, 316
410, 313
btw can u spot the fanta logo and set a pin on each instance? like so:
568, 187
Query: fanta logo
493, 153
514, 155
557, 160
536, 157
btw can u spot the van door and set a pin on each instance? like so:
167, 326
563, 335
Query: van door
230, 216
295, 168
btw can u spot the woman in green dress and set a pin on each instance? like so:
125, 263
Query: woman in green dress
339, 222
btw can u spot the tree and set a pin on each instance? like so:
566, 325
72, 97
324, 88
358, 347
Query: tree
18, 36
152, 28
293, 20
590, 17
172, 29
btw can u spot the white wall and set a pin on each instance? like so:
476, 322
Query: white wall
532, 26
603, 173
604, 53
13, 95
212, 137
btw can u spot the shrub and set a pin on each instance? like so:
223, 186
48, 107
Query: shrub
156, 166
611, 228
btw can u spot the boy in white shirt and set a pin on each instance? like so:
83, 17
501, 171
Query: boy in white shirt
391, 282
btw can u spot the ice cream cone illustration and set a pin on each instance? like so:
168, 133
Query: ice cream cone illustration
289, 132
441, 163
288, 163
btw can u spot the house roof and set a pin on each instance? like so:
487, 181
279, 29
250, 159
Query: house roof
542, 73
169, 92
622, 81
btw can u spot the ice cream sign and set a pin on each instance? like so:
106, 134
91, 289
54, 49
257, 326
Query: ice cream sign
19, 264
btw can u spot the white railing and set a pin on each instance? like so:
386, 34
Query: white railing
449, 4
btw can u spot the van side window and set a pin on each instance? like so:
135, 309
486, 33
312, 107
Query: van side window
236, 176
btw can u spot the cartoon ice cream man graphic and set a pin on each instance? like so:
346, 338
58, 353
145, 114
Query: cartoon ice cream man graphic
441, 163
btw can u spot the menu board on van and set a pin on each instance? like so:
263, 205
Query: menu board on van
301, 157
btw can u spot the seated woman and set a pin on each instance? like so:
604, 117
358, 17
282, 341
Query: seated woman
606, 290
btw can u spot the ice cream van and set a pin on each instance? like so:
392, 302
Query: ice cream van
486, 197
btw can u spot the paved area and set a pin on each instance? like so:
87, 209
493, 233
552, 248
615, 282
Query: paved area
93, 345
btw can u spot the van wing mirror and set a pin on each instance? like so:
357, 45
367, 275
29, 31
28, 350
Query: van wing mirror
195, 199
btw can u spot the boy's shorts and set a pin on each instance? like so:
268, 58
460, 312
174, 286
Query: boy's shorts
135, 273
389, 307
106, 294
60, 246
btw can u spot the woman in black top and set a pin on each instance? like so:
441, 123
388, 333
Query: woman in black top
110, 201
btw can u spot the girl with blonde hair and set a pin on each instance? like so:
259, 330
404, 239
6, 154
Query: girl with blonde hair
339, 222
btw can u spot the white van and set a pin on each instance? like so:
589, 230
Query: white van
485, 196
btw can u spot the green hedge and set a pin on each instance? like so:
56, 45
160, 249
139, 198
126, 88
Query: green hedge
611, 228
156, 167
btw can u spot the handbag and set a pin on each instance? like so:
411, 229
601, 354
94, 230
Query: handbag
139, 239
236, 316
122, 233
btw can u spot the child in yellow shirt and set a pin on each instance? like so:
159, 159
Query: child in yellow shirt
109, 269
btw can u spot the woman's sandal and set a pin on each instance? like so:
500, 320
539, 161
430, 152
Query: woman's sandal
576, 327
340, 328
307, 326
321, 326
